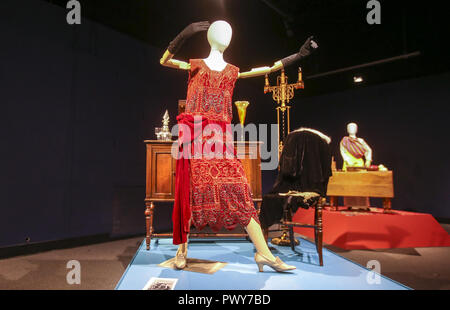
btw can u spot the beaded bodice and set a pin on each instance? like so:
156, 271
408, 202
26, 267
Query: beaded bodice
210, 92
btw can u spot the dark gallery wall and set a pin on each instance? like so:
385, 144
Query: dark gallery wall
77, 102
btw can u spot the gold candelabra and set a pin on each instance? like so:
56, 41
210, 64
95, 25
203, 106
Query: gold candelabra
282, 94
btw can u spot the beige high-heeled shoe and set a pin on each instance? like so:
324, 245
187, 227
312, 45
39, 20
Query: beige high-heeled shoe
181, 258
277, 265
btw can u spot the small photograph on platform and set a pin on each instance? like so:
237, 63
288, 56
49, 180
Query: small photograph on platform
160, 284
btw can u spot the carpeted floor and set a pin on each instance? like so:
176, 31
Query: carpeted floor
103, 264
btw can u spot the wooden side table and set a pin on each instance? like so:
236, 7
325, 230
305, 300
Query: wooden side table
160, 180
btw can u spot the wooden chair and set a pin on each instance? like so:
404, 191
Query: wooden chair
304, 171
317, 203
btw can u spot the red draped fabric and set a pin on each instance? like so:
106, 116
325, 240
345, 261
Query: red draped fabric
191, 142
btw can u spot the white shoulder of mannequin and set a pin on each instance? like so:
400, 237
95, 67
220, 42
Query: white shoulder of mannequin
362, 141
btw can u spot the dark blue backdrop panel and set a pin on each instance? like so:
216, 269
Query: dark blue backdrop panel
36, 110
78, 101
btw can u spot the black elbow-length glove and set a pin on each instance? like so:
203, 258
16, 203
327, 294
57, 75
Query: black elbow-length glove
189, 31
307, 49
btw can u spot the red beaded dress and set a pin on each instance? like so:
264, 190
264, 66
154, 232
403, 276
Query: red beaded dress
219, 193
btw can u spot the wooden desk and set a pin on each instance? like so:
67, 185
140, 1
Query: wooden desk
160, 180
377, 184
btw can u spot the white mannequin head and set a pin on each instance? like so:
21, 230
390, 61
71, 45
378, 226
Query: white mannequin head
219, 35
352, 129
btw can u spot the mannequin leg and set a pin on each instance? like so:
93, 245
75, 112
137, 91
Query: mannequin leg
263, 256
181, 255
183, 247
256, 235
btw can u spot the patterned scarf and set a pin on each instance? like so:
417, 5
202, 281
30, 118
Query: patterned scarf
354, 147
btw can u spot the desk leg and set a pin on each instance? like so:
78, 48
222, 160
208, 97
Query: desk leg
149, 223
387, 205
334, 202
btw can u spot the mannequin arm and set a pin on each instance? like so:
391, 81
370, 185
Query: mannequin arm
307, 48
368, 153
167, 61
261, 70
175, 45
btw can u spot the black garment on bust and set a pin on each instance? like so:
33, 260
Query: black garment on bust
305, 166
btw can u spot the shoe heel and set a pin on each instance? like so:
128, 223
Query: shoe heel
260, 267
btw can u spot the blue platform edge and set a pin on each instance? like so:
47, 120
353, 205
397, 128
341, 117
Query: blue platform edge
241, 272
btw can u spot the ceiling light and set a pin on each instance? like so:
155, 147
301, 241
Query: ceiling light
358, 79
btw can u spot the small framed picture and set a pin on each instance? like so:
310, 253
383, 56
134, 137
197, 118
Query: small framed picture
160, 284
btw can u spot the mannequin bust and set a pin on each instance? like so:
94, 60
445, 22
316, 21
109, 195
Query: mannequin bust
355, 151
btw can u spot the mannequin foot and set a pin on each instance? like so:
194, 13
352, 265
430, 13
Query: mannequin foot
277, 264
181, 257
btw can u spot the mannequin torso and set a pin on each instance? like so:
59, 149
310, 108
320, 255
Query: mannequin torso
355, 151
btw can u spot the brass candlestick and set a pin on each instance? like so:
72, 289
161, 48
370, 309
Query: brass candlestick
282, 94
242, 112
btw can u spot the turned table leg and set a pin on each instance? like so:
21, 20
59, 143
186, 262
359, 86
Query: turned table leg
334, 202
149, 207
387, 205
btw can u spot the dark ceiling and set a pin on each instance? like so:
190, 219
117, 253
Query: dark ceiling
267, 30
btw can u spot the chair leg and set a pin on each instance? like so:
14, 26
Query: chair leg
292, 237
319, 248
318, 232
316, 238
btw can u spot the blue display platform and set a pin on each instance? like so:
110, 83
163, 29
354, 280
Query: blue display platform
241, 272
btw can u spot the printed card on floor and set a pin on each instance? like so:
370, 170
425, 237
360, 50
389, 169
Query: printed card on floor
160, 284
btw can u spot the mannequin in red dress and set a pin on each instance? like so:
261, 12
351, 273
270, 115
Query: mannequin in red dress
215, 191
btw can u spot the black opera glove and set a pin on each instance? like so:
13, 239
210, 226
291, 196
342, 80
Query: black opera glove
307, 49
189, 31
